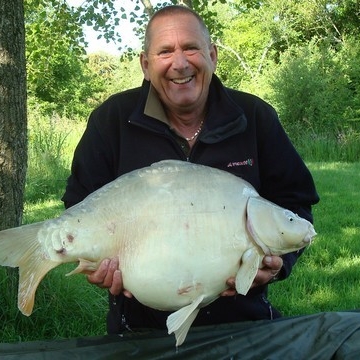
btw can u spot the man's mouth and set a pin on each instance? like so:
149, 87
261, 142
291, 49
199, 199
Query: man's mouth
182, 81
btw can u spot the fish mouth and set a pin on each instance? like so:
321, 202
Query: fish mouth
181, 81
309, 237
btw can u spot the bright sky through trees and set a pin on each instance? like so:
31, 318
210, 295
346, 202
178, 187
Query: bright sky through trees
125, 28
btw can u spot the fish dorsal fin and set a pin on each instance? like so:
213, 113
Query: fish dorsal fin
250, 262
180, 321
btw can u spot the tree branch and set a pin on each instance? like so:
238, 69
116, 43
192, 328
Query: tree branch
238, 57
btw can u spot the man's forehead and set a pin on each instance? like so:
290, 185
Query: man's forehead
173, 29
175, 18
180, 23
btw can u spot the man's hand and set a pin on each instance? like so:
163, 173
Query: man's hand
109, 276
271, 267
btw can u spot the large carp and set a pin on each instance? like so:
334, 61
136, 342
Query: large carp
180, 231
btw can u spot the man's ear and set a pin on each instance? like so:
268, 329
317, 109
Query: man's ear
144, 65
214, 55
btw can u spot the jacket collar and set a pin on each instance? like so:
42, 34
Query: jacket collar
153, 106
225, 117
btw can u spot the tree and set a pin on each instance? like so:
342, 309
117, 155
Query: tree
259, 32
13, 137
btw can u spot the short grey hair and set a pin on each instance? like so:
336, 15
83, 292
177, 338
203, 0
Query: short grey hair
174, 10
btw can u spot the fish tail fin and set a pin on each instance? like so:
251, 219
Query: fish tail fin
20, 248
180, 321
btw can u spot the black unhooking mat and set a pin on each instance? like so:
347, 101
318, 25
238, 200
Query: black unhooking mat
321, 336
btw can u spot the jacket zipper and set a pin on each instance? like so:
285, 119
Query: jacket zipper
266, 301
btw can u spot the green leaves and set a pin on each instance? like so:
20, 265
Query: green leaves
251, 35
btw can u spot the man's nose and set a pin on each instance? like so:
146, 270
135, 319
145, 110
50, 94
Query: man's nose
180, 60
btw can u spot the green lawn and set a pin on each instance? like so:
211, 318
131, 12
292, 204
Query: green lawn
327, 276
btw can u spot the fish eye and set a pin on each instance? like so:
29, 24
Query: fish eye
289, 215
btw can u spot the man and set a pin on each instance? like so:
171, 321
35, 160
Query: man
182, 111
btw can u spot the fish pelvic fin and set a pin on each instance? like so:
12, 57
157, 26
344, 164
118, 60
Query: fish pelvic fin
180, 321
250, 262
20, 248
85, 266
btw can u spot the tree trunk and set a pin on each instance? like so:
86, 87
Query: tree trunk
13, 122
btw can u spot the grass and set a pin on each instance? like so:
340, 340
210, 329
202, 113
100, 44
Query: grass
326, 278
64, 308
344, 147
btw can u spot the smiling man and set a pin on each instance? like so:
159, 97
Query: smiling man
179, 61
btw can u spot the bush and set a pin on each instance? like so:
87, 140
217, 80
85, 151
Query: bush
310, 90
316, 91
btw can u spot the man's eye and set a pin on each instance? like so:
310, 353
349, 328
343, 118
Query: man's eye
164, 53
191, 51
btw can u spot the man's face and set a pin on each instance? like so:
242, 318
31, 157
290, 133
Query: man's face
180, 62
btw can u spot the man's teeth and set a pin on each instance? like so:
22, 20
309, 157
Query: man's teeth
182, 81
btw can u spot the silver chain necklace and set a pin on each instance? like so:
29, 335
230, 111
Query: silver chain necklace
196, 132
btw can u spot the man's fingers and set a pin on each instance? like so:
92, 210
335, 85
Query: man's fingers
273, 262
109, 276
97, 277
229, 292
103, 276
271, 268
116, 285
231, 282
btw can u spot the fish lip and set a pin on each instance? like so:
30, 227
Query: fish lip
309, 238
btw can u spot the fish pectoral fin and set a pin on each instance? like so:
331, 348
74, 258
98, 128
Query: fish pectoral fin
249, 266
85, 266
180, 321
